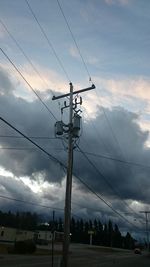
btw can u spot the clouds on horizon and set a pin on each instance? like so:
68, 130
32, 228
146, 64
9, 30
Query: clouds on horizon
131, 182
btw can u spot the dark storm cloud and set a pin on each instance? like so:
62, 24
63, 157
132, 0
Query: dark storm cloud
33, 120
20, 197
127, 142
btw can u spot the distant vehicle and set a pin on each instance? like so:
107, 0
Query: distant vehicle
137, 251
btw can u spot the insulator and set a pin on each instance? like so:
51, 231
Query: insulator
59, 128
80, 100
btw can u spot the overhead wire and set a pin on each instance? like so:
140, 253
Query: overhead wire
45, 36
26, 82
30, 203
35, 204
103, 200
33, 90
67, 24
25, 55
64, 168
32, 137
31, 141
74, 39
76, 44
105, 115
113, 133
107, 157
48, 40
105, 179
115, 159
110, 126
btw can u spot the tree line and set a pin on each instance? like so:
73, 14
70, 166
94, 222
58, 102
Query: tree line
102, 234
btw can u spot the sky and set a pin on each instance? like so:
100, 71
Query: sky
45, 45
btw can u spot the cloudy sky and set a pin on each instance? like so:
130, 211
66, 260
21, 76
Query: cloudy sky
110, 44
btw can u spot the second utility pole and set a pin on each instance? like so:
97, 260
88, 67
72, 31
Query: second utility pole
147, 230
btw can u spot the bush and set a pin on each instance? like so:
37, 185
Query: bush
25, 247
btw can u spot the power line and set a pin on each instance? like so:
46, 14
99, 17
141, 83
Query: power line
104, 201
104, 178
38, 205
114, 159
33, 90
110, 126
30, 203
113, 132
35, 144
64, 167
32, 137
25, 55
48, 41
56, 160
73, 37
86, 152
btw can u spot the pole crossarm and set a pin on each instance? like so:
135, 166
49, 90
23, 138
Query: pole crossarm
75, 92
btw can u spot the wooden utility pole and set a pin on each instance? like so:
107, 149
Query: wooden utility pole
68, 185
71, 136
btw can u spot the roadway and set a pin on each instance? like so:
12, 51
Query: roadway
80, 256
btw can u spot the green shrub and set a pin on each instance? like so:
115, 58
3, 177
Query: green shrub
25, 247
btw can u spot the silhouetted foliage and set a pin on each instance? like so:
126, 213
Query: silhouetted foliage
20, 220
103, 234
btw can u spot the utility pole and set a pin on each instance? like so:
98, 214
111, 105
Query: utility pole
67, 216
147, 230
72, 131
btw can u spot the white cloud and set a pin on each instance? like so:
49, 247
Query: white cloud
5, 173
121, 89
89, 59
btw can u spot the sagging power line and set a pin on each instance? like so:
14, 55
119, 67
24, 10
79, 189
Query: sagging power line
48, 41
33, 90
90, 189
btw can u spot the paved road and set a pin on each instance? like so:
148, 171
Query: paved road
95, 257
80, 256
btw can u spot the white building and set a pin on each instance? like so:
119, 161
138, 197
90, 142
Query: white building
8, 234
43, 237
